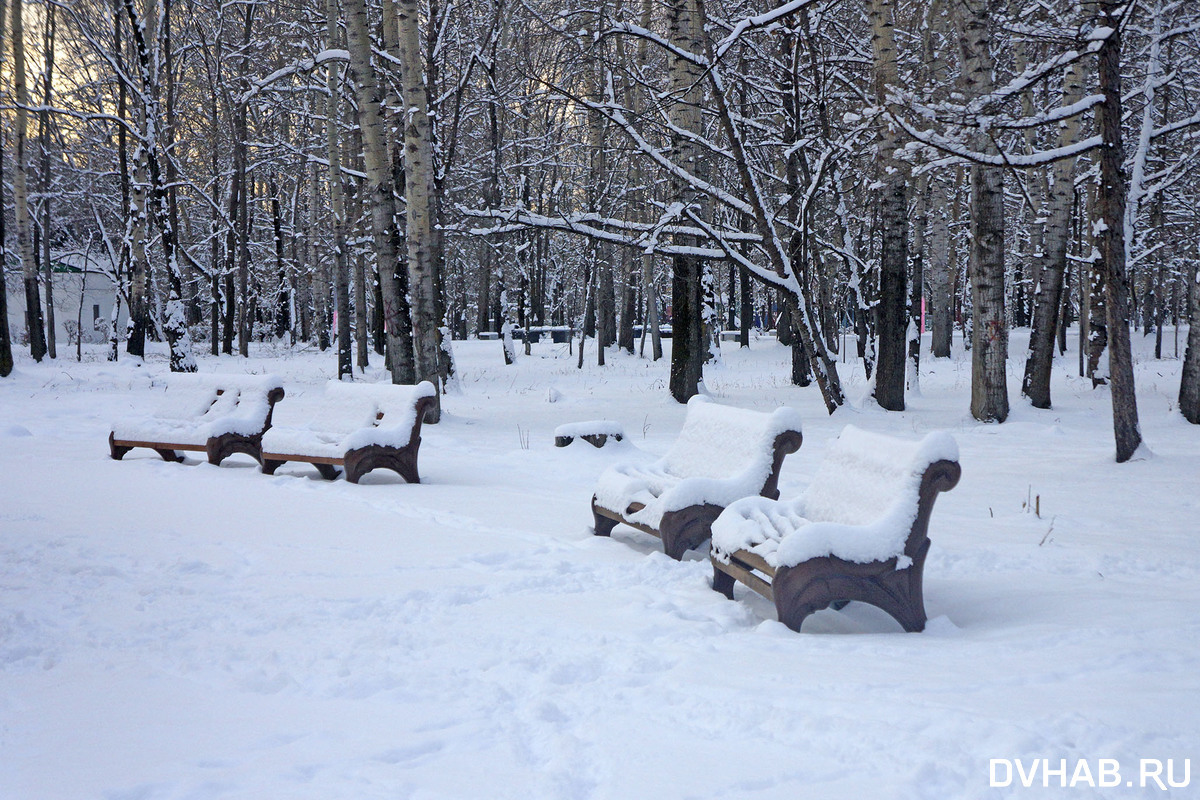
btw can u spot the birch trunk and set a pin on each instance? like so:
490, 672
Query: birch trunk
139, 266
989, 329
419, 179
245, 323
941, 300
649, 287
378, 165
337, 194
393, 120
893, 213
1052, 267
606, 333
916, 293
44, 147
685, 30
320, 275
33, 304
1096, 342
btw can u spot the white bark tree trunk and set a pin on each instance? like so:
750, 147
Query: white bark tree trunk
418, 160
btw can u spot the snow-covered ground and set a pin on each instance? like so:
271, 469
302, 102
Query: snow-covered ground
188, 631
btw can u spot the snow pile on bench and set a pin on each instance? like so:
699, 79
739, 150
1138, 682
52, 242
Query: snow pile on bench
595, 432
722, 454
595, 427
197, 407
351, 416
860, 507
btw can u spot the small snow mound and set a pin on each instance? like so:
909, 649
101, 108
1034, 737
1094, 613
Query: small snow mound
15, 431
1143, 453
773, 627
553, 395
941, 626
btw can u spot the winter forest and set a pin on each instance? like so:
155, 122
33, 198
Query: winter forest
384, 179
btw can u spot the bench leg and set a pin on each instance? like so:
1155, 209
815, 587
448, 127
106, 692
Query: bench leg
827, 582
603, 525
687, 528
329, 472
401, 460
270, 465
116, 451
219, 448
169, 455
722, 582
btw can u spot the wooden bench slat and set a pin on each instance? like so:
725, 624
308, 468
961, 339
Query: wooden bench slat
742, 573
198, 448
755, 561
334, 460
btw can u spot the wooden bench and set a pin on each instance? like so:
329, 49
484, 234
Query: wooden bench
858, 532
357, 427
218, 415
721, 454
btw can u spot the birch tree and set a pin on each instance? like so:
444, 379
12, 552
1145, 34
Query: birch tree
420, 210
33, 304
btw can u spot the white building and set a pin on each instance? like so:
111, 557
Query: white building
83, 299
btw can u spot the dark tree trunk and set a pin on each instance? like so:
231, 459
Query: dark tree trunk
747, 307
283, 316
6, 356
1052, 268
1111, 239
1189, 386
628, 303
892, 319
687, 342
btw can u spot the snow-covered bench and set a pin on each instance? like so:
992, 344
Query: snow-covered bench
595, 432
858, 532
722, 454
218, 415
358, 427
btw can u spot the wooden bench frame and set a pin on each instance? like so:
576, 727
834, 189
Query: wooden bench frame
828, 581
215, 448
686, 528
357, 462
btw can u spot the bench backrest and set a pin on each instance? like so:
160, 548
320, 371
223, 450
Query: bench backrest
374, 413
226, 403
866, 476
720, 441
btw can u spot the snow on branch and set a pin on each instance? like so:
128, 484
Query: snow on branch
302, 66
596, 227
955, 147
759, 21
